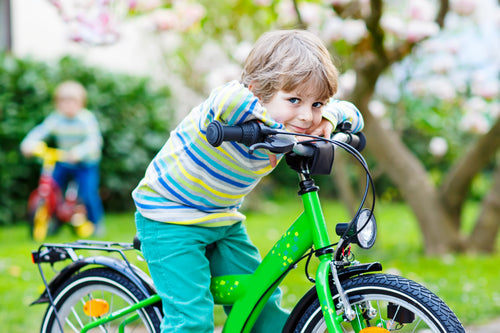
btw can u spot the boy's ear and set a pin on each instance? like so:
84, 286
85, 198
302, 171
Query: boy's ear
251, 87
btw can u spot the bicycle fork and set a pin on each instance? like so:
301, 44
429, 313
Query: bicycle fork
326, 265
328, 308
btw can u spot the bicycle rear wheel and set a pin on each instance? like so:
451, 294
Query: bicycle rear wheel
389, 302
107, 291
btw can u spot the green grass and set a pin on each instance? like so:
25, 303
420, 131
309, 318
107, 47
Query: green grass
468, 284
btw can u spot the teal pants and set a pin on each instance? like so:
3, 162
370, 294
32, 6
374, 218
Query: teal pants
181, 260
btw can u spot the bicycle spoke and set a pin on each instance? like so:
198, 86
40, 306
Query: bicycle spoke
72, 326
416, 325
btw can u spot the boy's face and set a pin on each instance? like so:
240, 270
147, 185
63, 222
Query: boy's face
69, 106
300, 112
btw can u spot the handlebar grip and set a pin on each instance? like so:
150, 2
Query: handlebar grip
355, 140
246, 133
358, 141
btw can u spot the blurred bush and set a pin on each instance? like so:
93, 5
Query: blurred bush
133, 113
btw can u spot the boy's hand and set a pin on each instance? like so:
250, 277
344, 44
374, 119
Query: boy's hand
324, 129
34, 148
71, 157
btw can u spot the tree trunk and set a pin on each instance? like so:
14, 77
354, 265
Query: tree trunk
341, 177
411, 178
484, 234
405, 170
456, 186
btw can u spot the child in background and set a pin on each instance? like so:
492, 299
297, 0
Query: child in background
187, 204
76, 132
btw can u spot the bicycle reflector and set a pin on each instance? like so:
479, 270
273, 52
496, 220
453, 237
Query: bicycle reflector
364, 230
96, 307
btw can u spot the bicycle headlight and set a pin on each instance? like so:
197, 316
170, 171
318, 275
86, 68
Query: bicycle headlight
366, 228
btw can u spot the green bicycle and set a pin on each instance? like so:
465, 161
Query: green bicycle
103, 293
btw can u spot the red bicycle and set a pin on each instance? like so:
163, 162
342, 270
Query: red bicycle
48, 208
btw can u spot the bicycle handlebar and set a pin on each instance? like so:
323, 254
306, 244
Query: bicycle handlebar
248, 133
254, 133
48, 154
355, 140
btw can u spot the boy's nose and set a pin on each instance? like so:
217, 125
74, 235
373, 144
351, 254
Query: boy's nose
306, 114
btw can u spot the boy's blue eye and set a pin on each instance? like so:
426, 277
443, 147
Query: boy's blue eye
317, 104
294, 100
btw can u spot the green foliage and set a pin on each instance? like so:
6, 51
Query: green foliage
133, 115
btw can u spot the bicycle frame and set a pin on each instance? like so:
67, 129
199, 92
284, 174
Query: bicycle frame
47, 190
308, 230
55, 204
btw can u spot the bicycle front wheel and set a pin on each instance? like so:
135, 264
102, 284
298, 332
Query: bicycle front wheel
391, 303
94, 294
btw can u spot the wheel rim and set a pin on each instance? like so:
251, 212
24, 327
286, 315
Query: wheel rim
73, 317
423, 322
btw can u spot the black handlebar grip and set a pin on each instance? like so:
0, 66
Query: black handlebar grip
215, 133
247, 133
358, 141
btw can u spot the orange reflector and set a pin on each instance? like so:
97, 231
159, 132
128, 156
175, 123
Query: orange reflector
96, 307
373, 330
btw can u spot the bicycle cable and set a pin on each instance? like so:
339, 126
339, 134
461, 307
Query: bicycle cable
369, 180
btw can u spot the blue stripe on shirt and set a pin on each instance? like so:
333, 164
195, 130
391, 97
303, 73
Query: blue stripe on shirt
182, 198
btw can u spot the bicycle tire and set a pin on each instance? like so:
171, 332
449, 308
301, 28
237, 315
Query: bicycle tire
380, 290
98, 283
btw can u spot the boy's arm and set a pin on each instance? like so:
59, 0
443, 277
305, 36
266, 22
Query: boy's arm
234, 104
37, 134
337, 111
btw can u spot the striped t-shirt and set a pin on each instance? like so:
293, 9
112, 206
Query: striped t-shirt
191, 182
80, 134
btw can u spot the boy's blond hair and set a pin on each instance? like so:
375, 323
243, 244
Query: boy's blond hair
71, 89
286, 59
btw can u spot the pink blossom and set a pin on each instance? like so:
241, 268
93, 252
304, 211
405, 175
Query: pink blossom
417, 88
339, 2
421, 10
263, 3
475, 105
443, 63
474, 122
347, 81
353, 31
311, 13
464, 7
189, 13
484, 86
393, 24
438, 146
418, 30
332, 29
441, 88
495, 109
165, 19
377, 108
242, 50
287, 13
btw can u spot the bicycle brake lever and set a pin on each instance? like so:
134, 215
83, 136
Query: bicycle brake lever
274, 145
